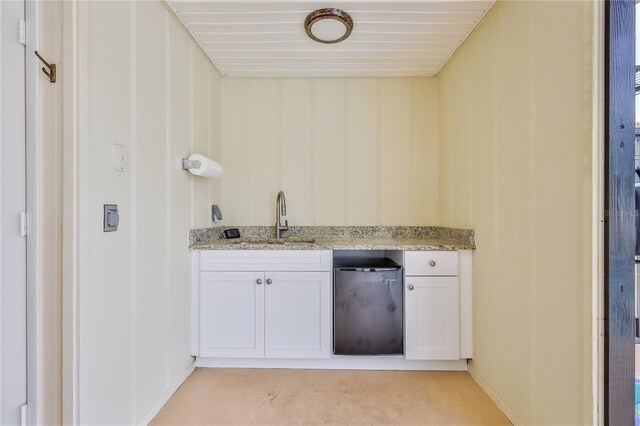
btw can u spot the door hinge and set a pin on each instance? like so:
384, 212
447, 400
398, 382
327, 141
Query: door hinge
23, 32
24, 414
23, 224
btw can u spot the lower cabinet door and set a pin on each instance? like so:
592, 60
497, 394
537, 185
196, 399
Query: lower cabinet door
298, 314
432, 324
232, 314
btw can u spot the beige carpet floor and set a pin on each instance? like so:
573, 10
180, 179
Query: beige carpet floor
277, 397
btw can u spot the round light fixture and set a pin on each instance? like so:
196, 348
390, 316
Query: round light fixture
328, 25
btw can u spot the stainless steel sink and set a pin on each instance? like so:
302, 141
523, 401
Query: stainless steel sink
282, 241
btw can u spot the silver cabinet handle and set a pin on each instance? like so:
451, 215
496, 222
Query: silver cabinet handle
269, 281
410, 287
258, 281
432, 262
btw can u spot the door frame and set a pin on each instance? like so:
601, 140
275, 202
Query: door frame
33, 171
619, 212
72, 49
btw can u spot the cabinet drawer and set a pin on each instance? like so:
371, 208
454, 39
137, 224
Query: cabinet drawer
431, 263
266, 260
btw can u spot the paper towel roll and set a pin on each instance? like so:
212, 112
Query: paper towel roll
208, 167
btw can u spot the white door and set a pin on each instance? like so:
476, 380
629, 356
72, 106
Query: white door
432, 324
298, 314
13, 305
232, 314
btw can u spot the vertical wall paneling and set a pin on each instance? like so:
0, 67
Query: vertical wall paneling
329, 149
192, 120
133, 234
105, 288
297, 151
147, 86
215, 132
235, 151
263, 159
515, 165
423, 151
200, 108
363, 164
341, 149
209, 143
77, 313
512, 164
180, 189
394, 173
150, 184
168, 166
496, 142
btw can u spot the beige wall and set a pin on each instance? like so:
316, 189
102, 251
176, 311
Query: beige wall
500, 141
345, 151
515, 165
146, 85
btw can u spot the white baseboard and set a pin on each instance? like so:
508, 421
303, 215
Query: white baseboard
494, 396
172, 389
336, 363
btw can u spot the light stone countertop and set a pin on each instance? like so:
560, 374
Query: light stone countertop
336, 243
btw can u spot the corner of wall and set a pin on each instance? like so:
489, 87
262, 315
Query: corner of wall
514, 115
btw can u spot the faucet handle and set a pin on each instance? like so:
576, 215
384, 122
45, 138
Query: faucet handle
286, 223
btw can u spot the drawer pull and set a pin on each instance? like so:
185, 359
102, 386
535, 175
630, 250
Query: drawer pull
269, 281
432, 263
410, 287
258, 281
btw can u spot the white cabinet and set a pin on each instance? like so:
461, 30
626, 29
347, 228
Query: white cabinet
432, 305
264, 314
262, 308
298, 315
432, 326
232, 314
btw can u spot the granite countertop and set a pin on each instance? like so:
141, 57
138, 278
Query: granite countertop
362, 243
338, 238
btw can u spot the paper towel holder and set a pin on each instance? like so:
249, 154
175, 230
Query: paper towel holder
190, 164
199, 165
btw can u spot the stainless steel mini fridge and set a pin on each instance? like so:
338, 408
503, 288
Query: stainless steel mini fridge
368, 308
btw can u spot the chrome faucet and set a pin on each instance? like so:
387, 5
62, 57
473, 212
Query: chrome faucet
281, 209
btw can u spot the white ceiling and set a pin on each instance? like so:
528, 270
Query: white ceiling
267, 38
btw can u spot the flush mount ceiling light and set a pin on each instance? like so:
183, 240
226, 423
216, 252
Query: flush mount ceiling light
328, 25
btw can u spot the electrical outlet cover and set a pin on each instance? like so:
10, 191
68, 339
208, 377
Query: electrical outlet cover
111, 218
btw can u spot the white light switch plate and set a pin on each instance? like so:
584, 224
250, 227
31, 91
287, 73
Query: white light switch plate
119, 157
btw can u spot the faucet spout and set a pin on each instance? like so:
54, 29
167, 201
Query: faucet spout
283, 203
281, 210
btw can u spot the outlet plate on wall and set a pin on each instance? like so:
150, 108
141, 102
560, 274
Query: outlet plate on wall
111, 218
